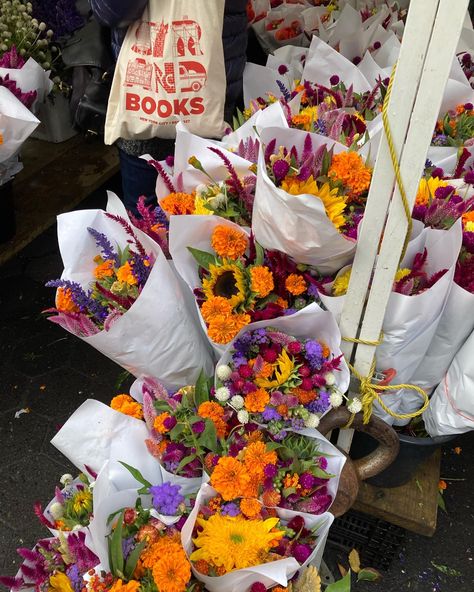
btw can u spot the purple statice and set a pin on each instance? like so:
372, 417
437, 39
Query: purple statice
106, 248
314, 354
82, 299
321, 404
75, 577
313, 290
12, 59
243, 343
230, 509
270, 414
167, 498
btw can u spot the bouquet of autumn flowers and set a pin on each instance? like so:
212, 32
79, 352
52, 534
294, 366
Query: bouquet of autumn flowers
318, 189
119, 294
243, 541
455, 127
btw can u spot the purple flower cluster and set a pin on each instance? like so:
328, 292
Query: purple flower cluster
27, 98
167, 498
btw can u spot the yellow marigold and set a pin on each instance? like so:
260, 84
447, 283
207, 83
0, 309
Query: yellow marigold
120, 586
172, 571
104, 269
469, 226
125, 274
341, 283
229, 242
334, 204
223, 329
213, 411
127, 405
230, 478
159, 423
178, 203
215, 306
251, 508
295, 284
255, 401
261, 281
426, 190
64, 301
349, 168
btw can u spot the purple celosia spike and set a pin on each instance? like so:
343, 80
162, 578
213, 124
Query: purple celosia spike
149, 411
33, 573
347, 100
336, 130
76, 323
14, 584
307, 148
280, 338
461, 162
163, 174
108, 252
58, 495
12, 59
29, 554
129, 230
318, 160
270, 149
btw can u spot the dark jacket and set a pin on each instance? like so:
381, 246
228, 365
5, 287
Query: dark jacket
118, 14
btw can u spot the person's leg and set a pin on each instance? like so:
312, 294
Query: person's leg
138, 178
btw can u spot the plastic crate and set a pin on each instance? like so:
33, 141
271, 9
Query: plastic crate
378, 542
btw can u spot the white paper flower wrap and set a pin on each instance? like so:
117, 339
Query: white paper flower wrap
16, 124
72, 487
270, 574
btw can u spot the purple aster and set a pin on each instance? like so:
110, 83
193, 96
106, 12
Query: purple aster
166, 498
270, 414
230, 509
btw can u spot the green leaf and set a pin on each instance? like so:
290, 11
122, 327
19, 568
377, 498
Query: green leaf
441, 503
368, 574
136, 474
161, 405
203, 258
184, 462
176, 431
260, 254
321, 473
288, 491
201, 391
132, 560
449, 571
116, 553
121, 378
208, 438
343, 585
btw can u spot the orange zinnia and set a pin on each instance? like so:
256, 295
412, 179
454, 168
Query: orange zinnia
172, 571
229, 242
178, 203
125, 274
64, 301
223, 329
213, 411
295, 284
230, 478
349, 168
127, 405
261, 281
255, 401
214, 307
256, 457
304, 397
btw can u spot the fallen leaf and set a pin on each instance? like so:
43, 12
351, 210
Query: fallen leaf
342, 569
354, 561
343, 585
368, 574
449, 571
21, 412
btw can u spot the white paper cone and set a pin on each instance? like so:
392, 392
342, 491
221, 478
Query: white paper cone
16, 124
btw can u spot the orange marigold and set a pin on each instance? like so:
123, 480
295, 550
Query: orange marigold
281, 302
251, 508
125, 274
213, 411
172, 572
179, 203
256, 457
326, 350
295, 284
223, 329
229, 242
230, 478
159, 423
255, 401
304, 397
104, 269
349, 168
261, 281
271, 497
64, 301
127, 405
214, 307
120, 586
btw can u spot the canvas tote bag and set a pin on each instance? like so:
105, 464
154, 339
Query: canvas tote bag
170, 68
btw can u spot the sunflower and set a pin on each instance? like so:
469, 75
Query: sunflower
214, 307
334, 203
127, 405
350, 169
426, 190
226, 280
229, 242
261, 281
283, 369
230, 478
223, 329
82, 502
172, 571
234, 542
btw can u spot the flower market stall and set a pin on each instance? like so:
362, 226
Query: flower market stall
293, 283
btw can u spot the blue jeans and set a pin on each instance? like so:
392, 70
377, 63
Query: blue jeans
138, 178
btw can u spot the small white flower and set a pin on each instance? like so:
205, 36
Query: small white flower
218, 199
223, 372
243, 416
335, 399
223, 394
66, 479
76, 527
355, 405
237, 402
312, 421
330, 379
56, 510
201, 188
42, 26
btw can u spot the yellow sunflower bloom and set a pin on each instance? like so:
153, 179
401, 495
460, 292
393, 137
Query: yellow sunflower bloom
82, 502
283, 368
426, 190
226, 280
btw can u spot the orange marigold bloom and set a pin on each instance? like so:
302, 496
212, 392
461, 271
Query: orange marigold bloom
127, 405
279, 589
304, 397
120, 586
326, 350
281, 302
255, 401
467, 217
220, 570
215, 503
179, 203
172, 572
159, 423
229, 242
64, 301
214, 307
295, 284
230, 478
104, 269
251, 508
255, 436
271, 497
349, 168
261, 281
256, 457
223, 329
125, 274
213, 411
